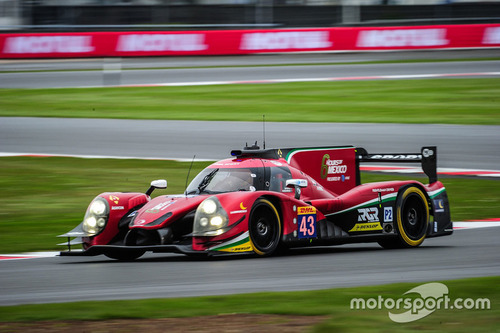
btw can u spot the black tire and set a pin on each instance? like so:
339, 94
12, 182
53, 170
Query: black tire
128, 255
264, 227
412, 219
391, 243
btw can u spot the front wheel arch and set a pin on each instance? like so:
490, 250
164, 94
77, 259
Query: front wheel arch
264, 227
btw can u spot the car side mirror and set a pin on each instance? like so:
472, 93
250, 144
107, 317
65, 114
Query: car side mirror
160, 183
297, 184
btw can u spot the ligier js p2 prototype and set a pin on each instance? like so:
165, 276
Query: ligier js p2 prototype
260, 201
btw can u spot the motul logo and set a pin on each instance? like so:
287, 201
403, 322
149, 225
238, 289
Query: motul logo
402, 38
48, 44
286, 40
161, 42
491, 35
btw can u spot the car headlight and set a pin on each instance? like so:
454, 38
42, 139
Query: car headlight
98, 207
96, 216
208, 207
210, 218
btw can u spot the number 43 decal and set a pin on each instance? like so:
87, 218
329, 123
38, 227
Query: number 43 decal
307, 222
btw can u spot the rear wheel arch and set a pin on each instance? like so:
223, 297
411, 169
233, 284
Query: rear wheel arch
424, 191
412, 217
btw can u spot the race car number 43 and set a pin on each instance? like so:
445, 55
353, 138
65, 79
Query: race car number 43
307, 222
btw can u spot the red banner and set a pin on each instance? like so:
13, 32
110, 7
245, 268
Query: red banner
136, 44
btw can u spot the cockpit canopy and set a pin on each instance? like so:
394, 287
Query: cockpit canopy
222, 180
249, 175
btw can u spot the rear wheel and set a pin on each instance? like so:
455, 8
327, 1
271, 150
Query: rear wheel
412, 219
264, 227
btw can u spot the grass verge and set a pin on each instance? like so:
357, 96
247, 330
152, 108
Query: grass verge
43, 197
434, 101
333, 303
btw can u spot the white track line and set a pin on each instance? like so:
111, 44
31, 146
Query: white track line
28, 255
104, 156
345, 78
440, 171
475, 224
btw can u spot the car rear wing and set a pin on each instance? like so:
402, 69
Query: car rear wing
427, 157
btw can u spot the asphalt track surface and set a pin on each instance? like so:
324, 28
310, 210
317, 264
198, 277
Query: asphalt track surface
154, 71
467, 253
243, 60
472, 147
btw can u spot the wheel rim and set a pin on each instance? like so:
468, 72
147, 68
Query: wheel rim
414, 217
264, 228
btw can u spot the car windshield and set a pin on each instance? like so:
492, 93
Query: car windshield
213, 181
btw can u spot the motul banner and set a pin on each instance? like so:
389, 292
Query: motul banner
136, 44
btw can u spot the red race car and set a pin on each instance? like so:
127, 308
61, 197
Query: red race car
262, 200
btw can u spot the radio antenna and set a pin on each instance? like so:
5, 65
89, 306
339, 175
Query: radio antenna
189, 171
264, 129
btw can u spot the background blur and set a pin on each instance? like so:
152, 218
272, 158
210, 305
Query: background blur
77, 15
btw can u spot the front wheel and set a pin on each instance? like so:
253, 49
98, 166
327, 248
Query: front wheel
264, 227
128, 255
412, 219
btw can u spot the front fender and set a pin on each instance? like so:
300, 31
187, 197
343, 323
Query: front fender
238, 206
120, 204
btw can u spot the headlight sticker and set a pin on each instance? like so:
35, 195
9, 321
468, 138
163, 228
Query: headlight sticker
114, 199
242, 210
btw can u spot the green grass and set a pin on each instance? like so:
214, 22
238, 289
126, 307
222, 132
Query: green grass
45, 197
459, 101
333, 303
